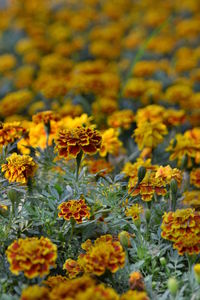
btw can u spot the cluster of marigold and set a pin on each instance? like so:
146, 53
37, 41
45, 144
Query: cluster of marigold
36, 256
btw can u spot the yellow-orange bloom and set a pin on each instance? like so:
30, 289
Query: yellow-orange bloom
71, 142
10, 132
195, 177
136, 281
33, 256
76, 209
19, 168
134, 295
182, 227
72, 267
35, 292
192, 198
149, 134
45, 117
110, 142
121, 119
134, 211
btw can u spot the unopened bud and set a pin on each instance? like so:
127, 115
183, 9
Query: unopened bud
173, 186
141, 174
172, 285
124, 238
12, 195
163, 261
184, 162
147, 215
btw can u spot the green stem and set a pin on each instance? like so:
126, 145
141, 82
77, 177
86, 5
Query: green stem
78, 163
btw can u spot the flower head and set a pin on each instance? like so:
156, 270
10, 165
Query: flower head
35, 292
33, 256
136, 281
71, 142
76, 209
19, 168
134, 211
110, 142
10, 132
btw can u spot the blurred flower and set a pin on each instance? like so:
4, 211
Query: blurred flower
134, 211
195, 177
35, 292
192, 198
33, 256
121, 119
136, 281
110, 142
53, 281
134, 295
10, 132
72, 267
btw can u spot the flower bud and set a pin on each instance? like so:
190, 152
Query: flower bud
147, 215
141, 174
197, 272
172, 285
163, 261
124, 238
184, 162
173, 186
12, 195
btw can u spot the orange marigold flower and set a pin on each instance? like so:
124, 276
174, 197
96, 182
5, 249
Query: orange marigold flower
72, 288
182, 227
195, 177
53, 281
72, 267
72, 142
105, 253
35, 292
110, 142
33, 256
149, 134
19, 168
167, 174
131, 170
10, 132
136, 281
76, 209
100, 292
134, 295
121, 119
45, 117
134, 211
99, 166
150, 113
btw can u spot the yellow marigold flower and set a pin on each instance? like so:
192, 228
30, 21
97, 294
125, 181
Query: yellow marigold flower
173, 117
69, 109
35, 292
167, 174
149, 134
76, 209
195, 177
182, 227
69, 122
105, 253
192, 198
7, 62
10, 132
71, 288
100, 292
145, 68
71, 142
135, 88
14, 102
131, 170
33, 256
72, 267
110, 142
150, 113
53, 281
148, 186
45, 117
161, 44
121, 119
197, 272
134, 211
19, 168
153, 91
136, 281
134, 295
178, 93
24, 76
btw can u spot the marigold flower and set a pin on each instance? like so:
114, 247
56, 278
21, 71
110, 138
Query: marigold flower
76, 209
121, 119
19, 168
33, 256
150, 113
134, 295
35, 292
7, 62
45, 117
195, 177
131, 170
105, 253
182, 227
71, 288
100, 291
10, 132
110, 142
197, 272
134, 211
99, 166
72, 142
192, 198
53, 281
149, 134
167, 174
72, 267
136, 281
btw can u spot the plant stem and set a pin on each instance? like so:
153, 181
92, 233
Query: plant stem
78, 163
